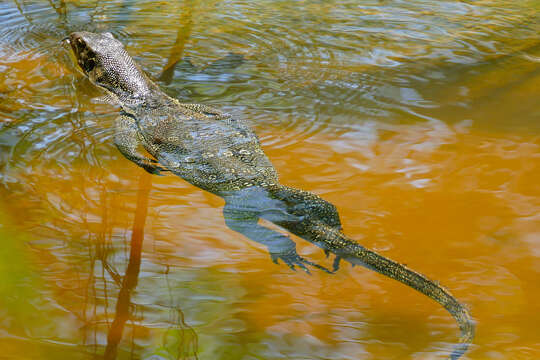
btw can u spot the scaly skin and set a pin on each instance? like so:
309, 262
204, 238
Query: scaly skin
222, 155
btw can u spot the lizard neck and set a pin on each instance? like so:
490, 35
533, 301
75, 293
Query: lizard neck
130, 87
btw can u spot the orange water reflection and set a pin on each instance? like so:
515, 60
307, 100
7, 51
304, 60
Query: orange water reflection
457, 205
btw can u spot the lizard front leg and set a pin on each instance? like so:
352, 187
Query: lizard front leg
127, 141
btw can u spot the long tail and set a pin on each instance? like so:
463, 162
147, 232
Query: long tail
335, 241
321, 225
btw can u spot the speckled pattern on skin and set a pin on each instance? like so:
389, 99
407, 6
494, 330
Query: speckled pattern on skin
222, 155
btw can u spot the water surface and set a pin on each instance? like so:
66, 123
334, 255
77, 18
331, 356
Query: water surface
418, 119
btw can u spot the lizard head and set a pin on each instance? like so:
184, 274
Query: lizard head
107, 64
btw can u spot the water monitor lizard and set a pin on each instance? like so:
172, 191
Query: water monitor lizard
221, 154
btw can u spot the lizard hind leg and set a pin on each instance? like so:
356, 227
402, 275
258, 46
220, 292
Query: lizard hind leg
242, 212
307, 205
309, 209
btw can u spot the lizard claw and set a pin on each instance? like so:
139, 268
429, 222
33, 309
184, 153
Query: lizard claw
335, 265
292, 259
154, 169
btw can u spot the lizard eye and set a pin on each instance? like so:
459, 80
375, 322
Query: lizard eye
80, 44
89, 65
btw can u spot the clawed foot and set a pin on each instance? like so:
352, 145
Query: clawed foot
335, 265
292, 259
153, 168
337, 260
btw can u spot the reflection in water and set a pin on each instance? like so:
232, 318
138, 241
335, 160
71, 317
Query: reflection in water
185, 24
417, 119
185, 336
129, 281
60, 9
